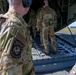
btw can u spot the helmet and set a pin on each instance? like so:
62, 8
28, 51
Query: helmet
27, 3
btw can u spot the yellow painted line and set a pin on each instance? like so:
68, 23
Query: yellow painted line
66, 29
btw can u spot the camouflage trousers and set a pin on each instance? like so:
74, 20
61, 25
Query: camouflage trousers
44, 33
34, 30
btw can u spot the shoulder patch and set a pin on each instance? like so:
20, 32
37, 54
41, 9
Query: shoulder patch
16, 49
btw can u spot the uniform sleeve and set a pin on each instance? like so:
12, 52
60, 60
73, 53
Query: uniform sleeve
13, 43
32, 16
55, 19
1, 8
39, 18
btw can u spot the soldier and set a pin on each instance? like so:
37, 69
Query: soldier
32, 22
15, 42
1, 8
46, 20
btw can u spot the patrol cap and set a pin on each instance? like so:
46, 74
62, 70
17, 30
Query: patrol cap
27, 3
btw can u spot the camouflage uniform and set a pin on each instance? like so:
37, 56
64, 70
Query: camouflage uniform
32, 21
46, 20
73, 70
1, 8
15, 46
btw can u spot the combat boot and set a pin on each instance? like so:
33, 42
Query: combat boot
54, 45
46, 51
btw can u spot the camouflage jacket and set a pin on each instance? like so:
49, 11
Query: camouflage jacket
32, 18
1, 8
15, 46
46, 17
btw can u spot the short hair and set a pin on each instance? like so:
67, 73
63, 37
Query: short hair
11, 2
